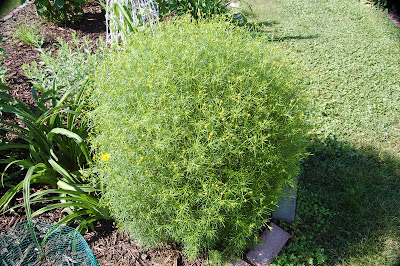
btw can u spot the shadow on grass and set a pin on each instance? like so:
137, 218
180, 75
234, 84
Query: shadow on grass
262, 28
348, 208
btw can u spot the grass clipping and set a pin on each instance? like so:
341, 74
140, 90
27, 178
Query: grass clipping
197, 129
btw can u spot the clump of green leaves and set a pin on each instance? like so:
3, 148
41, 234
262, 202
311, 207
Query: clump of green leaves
51, 151
29, 34
197, 9
392, 4
198, 127
60, 11
312, 217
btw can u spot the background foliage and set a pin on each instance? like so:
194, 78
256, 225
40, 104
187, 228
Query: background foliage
60, 11
392, 4
197, 8
197, 129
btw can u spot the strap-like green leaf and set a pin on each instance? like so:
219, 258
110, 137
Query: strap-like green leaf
27, 204
61, 171
12, 146
72, 135
5, 96
9, 195
67, 133
5, 87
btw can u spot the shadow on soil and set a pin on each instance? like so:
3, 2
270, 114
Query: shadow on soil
349, 205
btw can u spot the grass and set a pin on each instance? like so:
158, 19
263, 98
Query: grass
349, 196
29, 34
7, 5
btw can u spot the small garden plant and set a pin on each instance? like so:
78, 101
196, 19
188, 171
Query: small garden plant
52, 152
68, 66
3, 70
197, 127
29, 34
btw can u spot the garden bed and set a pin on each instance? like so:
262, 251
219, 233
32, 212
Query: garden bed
110, 246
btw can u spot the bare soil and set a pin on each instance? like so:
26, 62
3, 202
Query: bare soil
109, 245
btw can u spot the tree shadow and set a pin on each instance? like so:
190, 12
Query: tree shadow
349, 204
91, 22
266, 28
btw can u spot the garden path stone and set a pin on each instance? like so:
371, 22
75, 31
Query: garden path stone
286, 210
271, 244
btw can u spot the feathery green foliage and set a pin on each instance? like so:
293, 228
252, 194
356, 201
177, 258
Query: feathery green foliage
68, 66
197, 129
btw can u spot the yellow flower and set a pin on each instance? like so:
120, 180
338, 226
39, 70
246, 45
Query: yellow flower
105, 157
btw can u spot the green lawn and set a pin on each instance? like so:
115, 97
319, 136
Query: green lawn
349, 195
7, 5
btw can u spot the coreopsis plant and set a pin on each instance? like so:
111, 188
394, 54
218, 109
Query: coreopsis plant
197, 127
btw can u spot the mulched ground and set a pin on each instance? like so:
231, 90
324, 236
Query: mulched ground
109, 245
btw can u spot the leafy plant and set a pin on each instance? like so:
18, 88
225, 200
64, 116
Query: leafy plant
312, 216
53, 138
29, 34
197, 129
3, 71
60, 11
392, 4
68, 66
197, 8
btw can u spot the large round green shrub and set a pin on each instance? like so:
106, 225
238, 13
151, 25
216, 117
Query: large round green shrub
197, 129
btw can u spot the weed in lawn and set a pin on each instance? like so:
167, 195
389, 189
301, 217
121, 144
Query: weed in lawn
29, 34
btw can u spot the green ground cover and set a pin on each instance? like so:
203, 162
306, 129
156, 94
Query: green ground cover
349, 196
8, 5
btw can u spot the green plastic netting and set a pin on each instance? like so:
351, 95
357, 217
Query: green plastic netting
42, 243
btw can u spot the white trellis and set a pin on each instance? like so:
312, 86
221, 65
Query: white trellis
136, 13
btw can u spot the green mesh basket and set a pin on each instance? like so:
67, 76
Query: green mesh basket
42, 243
